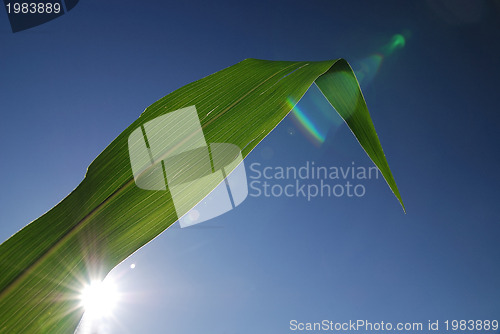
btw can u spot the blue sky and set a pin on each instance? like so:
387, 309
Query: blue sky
69, 87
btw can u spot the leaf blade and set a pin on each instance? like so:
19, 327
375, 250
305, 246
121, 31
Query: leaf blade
106, 218
341, 89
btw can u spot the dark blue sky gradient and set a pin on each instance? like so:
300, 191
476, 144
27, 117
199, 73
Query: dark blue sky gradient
69, 87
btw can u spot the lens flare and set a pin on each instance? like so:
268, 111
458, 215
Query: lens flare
314, 116
316, 125
398, 41
367, 68
99, 299
305, 123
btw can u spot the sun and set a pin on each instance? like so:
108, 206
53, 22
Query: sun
99, 298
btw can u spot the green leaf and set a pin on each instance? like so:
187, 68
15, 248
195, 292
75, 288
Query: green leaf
107, 217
